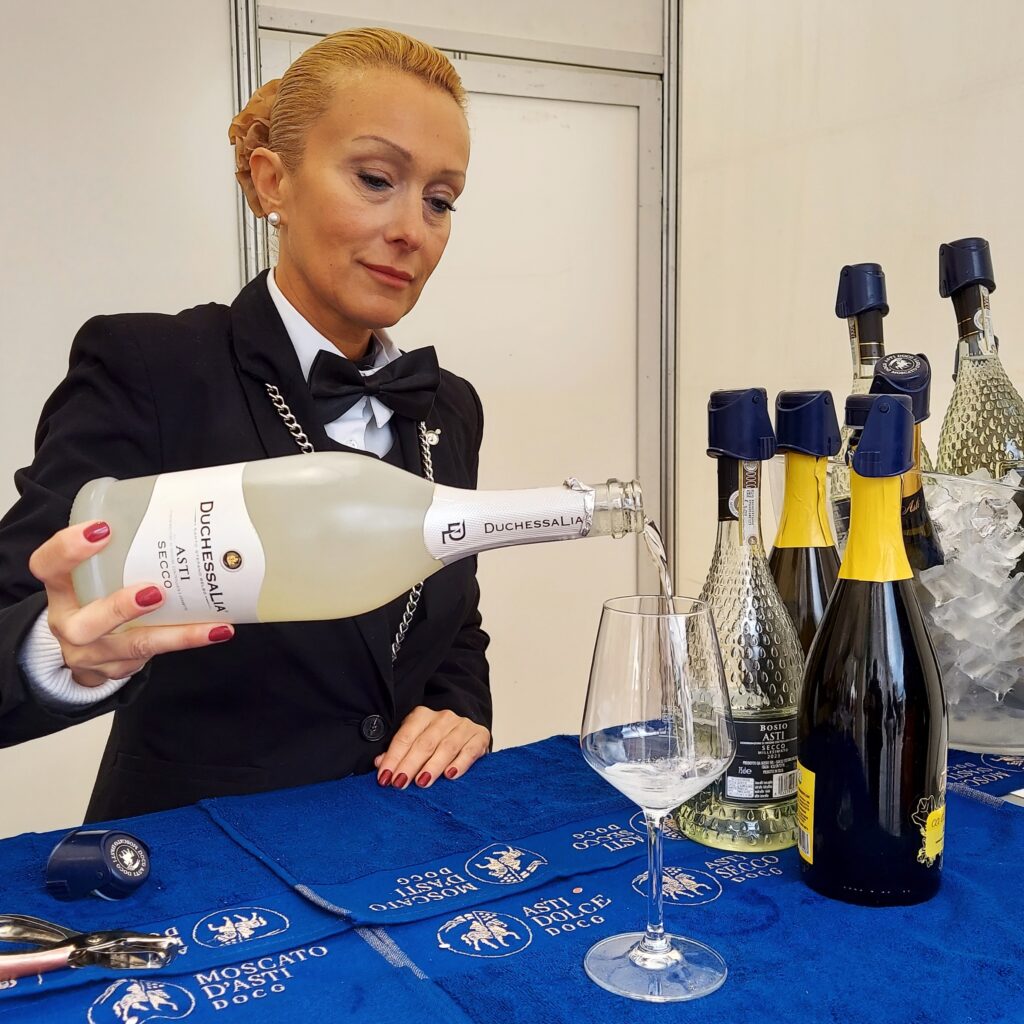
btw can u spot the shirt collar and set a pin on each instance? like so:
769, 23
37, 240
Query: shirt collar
308, 341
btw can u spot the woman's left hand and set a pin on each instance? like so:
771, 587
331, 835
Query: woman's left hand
430, 744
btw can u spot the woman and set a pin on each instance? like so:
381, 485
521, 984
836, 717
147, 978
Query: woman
356, 157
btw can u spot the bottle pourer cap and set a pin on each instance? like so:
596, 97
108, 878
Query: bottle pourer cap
861, 288
805, 422
886, 443
963, 262
904, 374
110, 864
739, 426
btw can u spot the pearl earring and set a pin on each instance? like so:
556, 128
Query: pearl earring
274, 219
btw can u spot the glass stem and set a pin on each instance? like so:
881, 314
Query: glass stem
654, 941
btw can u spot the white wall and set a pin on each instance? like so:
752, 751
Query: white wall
818, 133
118, 195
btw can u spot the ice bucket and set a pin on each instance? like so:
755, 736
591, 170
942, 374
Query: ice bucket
974, 603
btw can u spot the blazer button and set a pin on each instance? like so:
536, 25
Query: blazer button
372, 727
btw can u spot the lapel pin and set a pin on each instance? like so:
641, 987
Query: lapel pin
434, 436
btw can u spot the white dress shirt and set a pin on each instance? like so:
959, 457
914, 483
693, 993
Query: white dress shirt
366, 426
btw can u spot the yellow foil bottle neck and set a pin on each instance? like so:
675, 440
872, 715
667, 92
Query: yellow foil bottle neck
875, 550
912, 482
804, 520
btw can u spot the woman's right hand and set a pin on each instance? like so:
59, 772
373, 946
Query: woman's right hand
91, 648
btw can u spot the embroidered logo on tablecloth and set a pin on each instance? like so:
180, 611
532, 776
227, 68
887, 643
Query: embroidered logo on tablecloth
483, 933
241, 924
503, 864
133, 1001
683, 886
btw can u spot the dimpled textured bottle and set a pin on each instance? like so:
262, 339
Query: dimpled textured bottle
751, 807
984, 424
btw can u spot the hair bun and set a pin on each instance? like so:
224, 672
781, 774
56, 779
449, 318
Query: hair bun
249, 130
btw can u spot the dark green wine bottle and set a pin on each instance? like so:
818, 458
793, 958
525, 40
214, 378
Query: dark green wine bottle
804, 560
872, 716
904, 374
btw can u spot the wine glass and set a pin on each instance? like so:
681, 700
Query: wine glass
658, 727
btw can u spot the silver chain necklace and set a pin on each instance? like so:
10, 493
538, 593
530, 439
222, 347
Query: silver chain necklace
306, 447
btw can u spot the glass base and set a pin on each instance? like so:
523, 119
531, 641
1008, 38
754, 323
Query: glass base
685, 970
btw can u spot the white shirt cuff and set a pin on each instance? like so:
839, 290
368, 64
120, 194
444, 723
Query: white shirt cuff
50, 679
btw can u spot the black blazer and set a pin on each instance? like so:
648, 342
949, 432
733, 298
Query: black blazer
279, 704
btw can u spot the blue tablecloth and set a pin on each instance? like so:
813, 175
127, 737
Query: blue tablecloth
476, 900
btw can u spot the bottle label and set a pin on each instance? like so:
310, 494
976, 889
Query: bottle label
805, 812
764, 768
931, 820
739, 497
454, 528
197, 542
750, 503
728, 492
912, 503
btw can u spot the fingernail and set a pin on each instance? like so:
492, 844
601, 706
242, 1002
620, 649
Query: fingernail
221, 633
148, 597
400, 781
424, 779
96, 532
450, 773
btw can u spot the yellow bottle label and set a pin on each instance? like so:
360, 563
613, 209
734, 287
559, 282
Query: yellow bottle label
934, 835
804, 520
805, 812
875, 551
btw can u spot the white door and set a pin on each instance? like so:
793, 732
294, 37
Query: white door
547, 299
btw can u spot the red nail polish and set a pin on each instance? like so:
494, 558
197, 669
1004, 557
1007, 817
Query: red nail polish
400, 781
451, 772
424, 779
96, 532
148, 597
384, 778
221, 633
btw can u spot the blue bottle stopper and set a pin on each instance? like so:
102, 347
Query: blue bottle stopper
861, 288
963, 262
739, 426
106, 863
904, 374
805, 422
886, 443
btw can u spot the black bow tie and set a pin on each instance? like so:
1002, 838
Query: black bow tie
407, 385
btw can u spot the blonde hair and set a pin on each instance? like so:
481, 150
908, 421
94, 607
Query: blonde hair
280, 113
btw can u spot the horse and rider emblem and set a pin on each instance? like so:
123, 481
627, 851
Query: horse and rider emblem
683, 886
503, 864
482, 933
233, 927
133, 1001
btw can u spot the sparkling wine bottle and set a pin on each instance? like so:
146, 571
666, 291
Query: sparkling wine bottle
752, 806
872, 734
804, 561
904, 374
323, 536
984, 424
861, 300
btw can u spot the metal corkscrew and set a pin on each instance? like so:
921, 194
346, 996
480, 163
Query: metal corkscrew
57, 947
